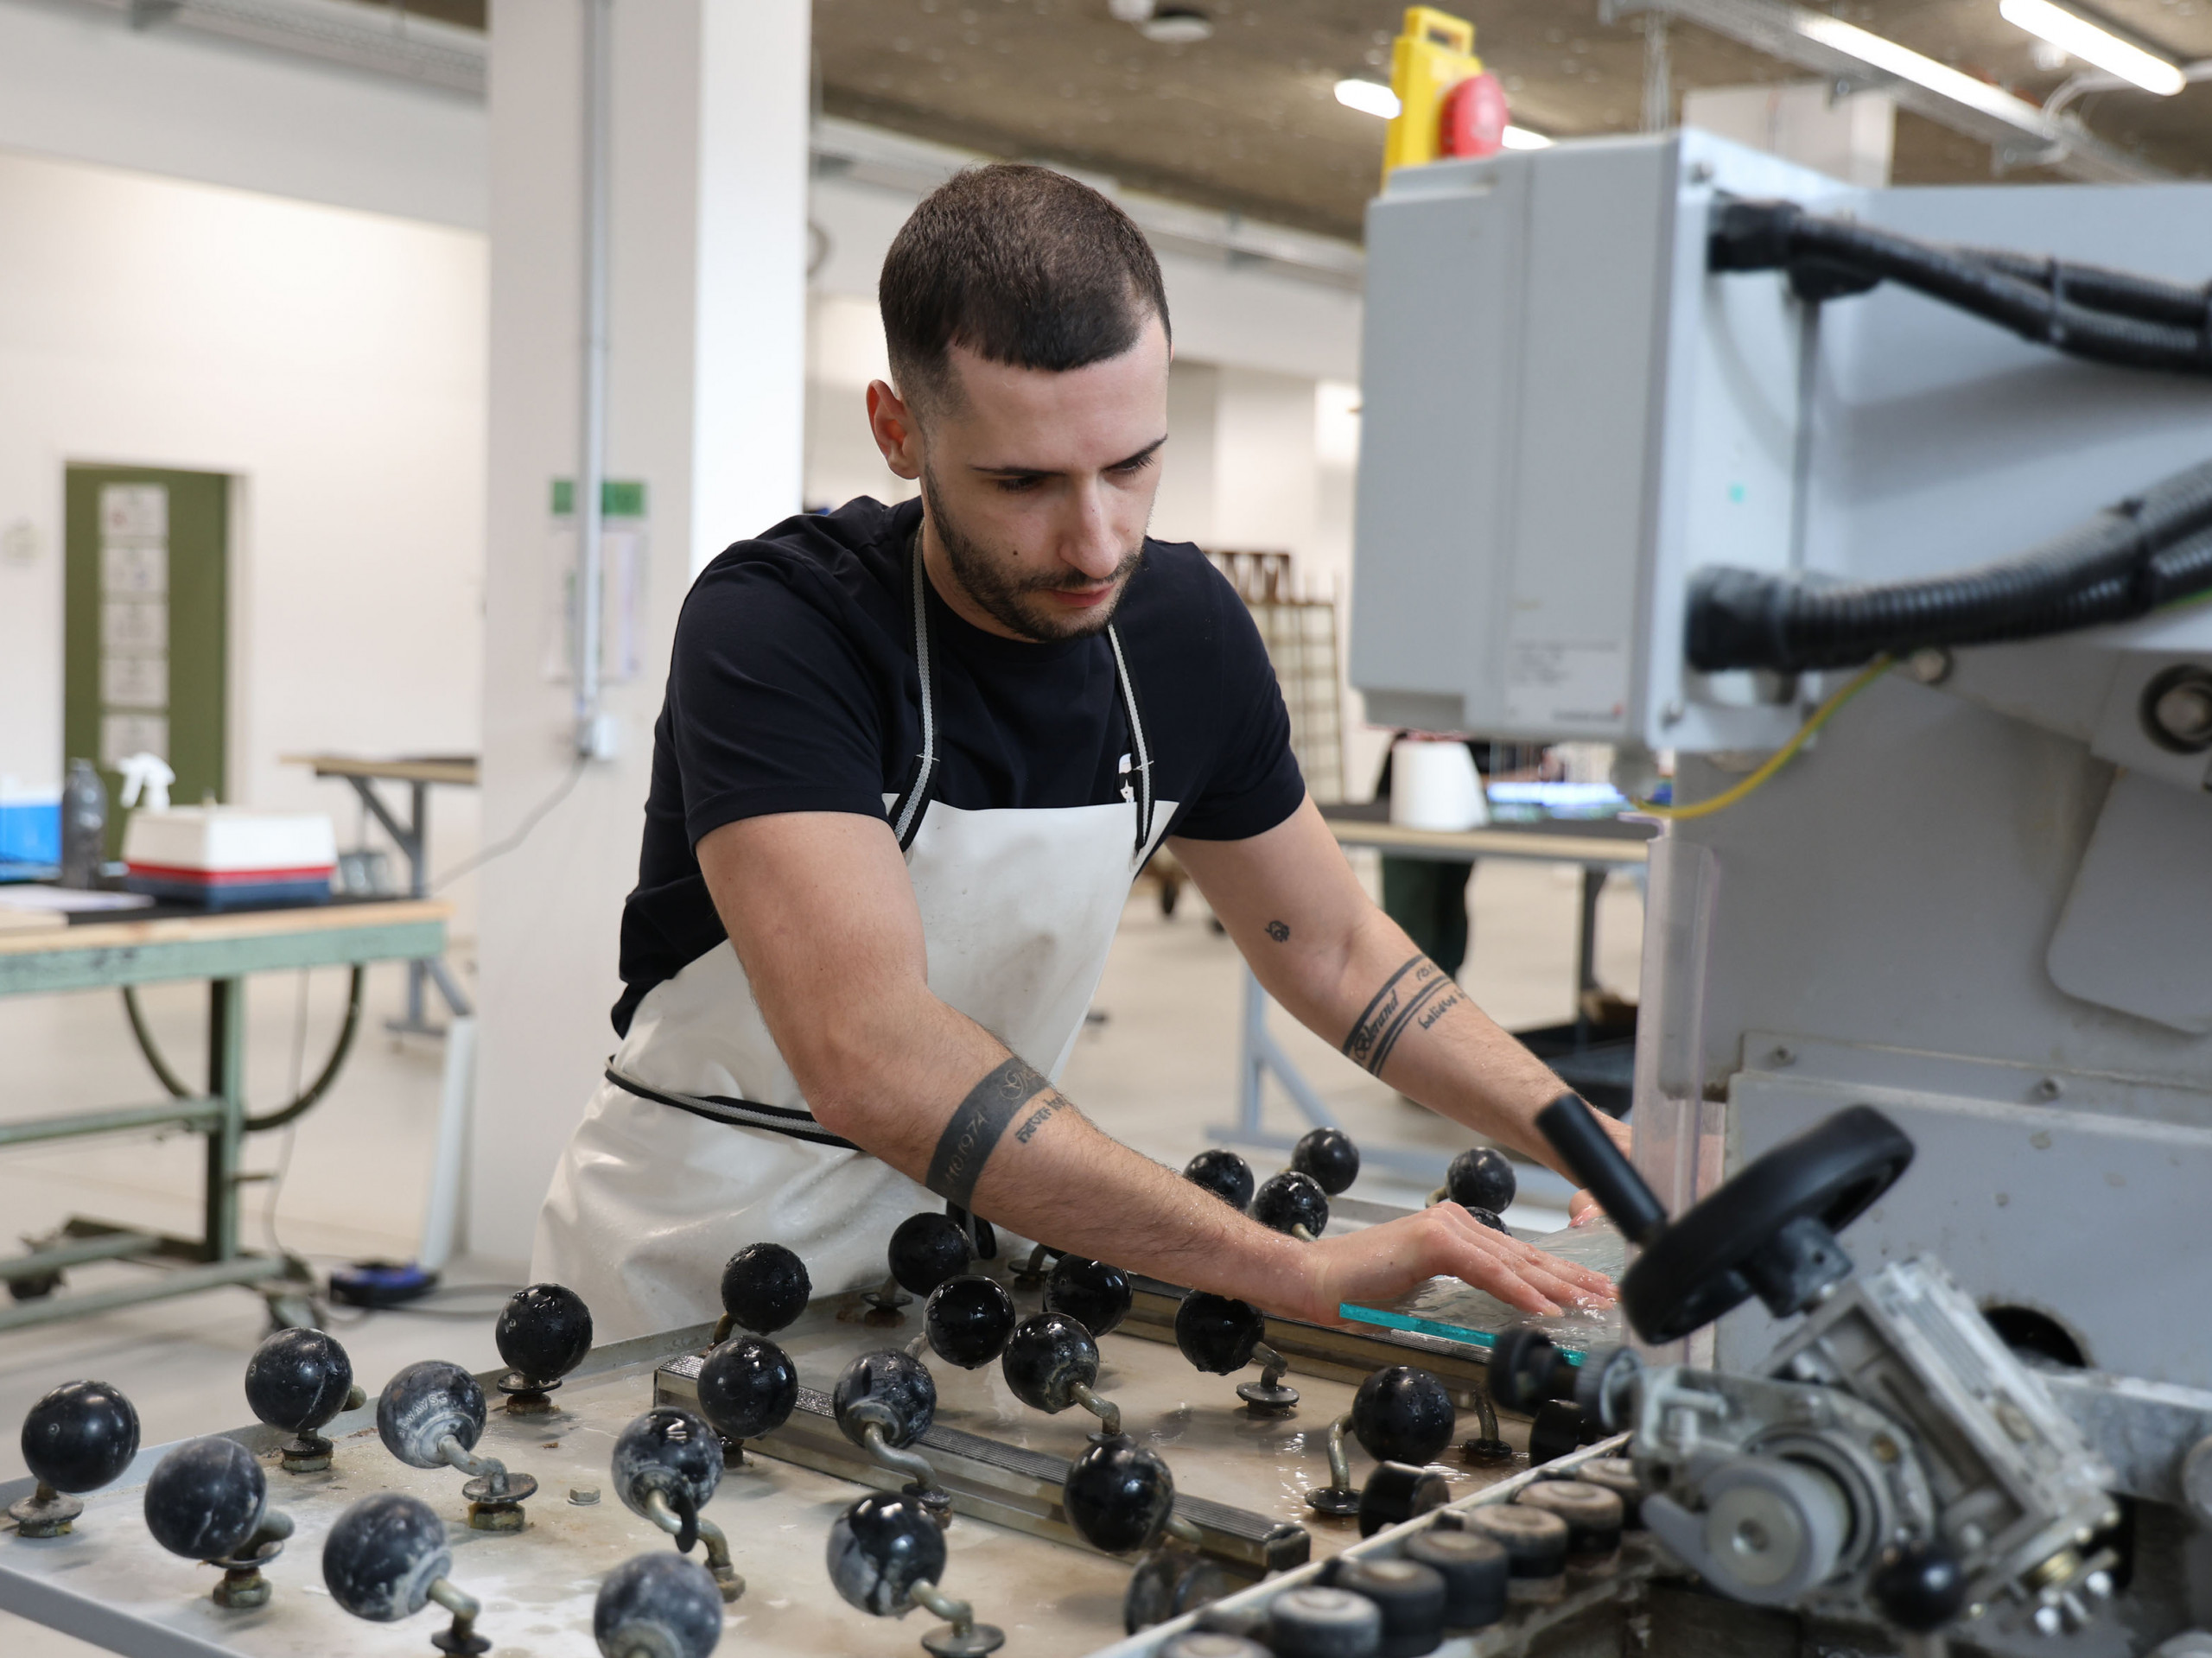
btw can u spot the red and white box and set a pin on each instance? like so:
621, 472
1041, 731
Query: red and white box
226, 857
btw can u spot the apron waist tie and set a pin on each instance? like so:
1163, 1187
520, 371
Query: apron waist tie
738, 1114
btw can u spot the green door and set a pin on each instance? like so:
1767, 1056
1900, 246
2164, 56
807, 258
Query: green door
145, 625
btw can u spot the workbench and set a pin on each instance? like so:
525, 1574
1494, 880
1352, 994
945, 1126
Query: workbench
1599, 846
165, 944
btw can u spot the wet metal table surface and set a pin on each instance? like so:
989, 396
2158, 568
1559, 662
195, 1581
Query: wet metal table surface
111, 1584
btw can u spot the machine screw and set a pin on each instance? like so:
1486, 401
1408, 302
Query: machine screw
1931, 664
1783, 1055
1700, 172
1672, 713
2050, 1088
2048, 1622
2176, 710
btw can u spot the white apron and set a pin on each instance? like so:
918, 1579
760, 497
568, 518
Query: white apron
1019, 909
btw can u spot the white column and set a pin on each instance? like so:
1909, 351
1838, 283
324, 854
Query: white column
706, 386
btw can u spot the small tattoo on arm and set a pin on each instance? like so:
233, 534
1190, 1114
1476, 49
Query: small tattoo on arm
1052, 1102
1278, 930
977, 1124
1419, 993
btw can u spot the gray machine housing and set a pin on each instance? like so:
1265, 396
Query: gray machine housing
1981, 899
1983, 905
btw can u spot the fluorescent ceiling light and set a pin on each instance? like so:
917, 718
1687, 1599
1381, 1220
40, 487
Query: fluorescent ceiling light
1369, 97
2075, 34
1521, 138
1908, 65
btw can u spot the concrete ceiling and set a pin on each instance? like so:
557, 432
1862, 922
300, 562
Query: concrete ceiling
1247, 120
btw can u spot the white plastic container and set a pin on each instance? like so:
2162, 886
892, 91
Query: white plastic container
1434, 785
223, 856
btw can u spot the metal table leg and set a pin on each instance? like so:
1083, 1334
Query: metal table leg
412, 838
1585, 951
226, 1135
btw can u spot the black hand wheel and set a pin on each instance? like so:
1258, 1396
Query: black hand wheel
1771, 1231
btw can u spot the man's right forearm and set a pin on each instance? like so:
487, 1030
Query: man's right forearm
1014, 1149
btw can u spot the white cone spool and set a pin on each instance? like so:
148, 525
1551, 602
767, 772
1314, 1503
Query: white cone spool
1434, 785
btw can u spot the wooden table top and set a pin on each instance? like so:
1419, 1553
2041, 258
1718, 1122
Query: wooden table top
1560, 845
459, 769
117, 929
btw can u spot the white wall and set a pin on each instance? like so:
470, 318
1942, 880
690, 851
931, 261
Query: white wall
334, 361
77, 81
699, 352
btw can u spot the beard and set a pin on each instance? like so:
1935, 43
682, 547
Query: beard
1011, 600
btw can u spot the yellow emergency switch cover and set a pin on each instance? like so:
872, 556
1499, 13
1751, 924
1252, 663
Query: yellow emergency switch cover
1435, 53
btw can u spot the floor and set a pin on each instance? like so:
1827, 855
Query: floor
1157, 1067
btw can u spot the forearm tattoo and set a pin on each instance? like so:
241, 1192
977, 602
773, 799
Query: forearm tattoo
1418, 994
980, 1121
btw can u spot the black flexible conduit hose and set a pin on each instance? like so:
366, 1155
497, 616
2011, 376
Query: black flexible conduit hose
2105, 317
2128, 560
283, 1113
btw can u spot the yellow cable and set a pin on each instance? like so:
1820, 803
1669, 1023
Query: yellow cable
1873, 672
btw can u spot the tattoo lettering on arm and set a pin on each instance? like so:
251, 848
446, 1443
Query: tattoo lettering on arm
1279, 931
978, 1123
1419, 993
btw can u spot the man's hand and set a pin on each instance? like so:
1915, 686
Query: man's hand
1382, 1262
1582, 1207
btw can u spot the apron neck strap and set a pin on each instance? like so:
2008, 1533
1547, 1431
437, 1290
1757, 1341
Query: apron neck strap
906, 811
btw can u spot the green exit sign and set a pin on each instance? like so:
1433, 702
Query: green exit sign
618, 498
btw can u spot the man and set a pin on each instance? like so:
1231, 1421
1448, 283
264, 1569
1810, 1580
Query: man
909, 762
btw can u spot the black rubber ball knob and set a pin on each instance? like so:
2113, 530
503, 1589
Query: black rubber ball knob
1410, 1596
1290, 1199
1329, 1157
1216, 1334
926, 1249
747, 1387
1324, 1623
1402, 1414
1921, 1588
1118, 1495
879, 1548
669, 1450
1047, 1355
968, 1320
1492, 1220
80, 1436
206, 1498
1224, 1173
383, 1555
544, 1331
1482, 1177
890, 1389
297, 1380
765, 1287
1094, 1295
658, 1604
424, 1403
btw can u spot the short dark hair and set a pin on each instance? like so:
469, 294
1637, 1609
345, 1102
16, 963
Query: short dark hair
1020, 265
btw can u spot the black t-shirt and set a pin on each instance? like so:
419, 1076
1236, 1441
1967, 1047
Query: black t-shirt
792, 688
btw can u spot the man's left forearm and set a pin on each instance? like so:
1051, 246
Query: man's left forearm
1394, 1013
1347, 971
